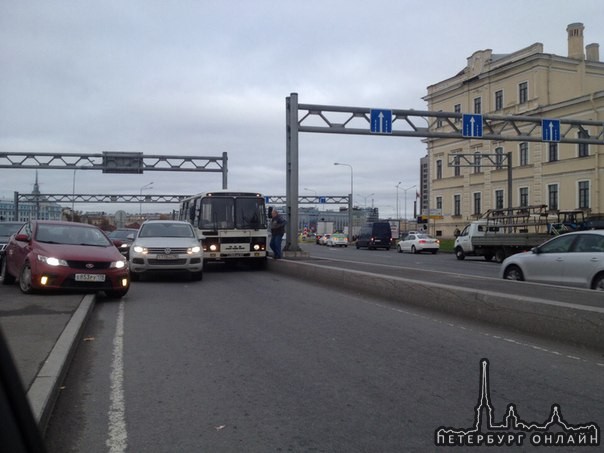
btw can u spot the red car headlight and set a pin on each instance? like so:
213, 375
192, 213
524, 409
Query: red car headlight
118, 264
52, 261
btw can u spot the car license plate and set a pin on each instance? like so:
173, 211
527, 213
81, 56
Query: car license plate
167, 257
90, 277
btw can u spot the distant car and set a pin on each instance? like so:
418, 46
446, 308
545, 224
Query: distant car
572, 259
337, 240
46, 254
7, 229
122, 238
418, 242
166, 246
323, 239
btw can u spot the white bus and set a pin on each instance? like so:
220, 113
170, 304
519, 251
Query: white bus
232, 225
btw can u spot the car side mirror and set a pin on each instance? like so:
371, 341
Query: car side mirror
130, 236
536, 250
22, 238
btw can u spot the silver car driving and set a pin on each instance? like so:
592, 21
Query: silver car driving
572, 259
166, 246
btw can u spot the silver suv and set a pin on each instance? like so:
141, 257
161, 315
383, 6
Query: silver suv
166, 246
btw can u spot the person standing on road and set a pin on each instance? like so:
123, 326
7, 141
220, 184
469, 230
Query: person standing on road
277, 232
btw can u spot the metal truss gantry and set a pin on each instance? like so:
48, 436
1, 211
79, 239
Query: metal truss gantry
116, 162
412, 123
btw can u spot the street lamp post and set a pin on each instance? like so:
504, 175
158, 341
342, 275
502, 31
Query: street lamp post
365, 203
140, 200
398, 217
405, 190
350, 204
311, 190
73, 195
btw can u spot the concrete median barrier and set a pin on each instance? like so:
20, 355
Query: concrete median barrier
561, 321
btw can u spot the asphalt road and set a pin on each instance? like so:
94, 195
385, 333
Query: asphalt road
256, 361
441, 262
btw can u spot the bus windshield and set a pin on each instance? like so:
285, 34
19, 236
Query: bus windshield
219, 213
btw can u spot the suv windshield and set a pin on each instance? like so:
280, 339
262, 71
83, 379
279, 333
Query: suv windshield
166, 230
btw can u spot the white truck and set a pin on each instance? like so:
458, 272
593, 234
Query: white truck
504, 232
324, 228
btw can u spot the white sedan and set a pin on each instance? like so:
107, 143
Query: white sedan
337, 239
572, 259
418, 242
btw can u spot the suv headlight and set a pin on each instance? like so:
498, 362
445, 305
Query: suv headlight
194, 249
139, 249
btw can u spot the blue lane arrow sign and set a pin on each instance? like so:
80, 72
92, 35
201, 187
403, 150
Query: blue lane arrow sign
321, 199
472, 125
381, 121
550, 130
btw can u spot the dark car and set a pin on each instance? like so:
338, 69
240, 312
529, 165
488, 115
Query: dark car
122, 238
594, 222
7, 229
375, 235
46, 254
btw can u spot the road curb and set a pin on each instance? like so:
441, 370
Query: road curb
578, 324
45, 388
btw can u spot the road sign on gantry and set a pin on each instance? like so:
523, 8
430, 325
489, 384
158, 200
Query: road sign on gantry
381, 121
472, 125
550, 130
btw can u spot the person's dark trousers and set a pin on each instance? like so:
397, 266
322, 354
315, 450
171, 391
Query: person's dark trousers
276, 245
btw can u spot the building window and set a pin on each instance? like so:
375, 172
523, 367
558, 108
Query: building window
498, 158
457, 109
523, 93
553, 152
477, 158
524, 196
552, 196
456, 166
439, 203
523, 154
477, 105
583, 147
457, 204
477, 205
439, 121
439, 169
583, 194
499, 100
499, 199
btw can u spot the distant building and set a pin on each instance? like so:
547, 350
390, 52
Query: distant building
40, 209
527, 82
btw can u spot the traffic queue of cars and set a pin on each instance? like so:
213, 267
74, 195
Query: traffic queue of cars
56, 255
67, 255
573, 259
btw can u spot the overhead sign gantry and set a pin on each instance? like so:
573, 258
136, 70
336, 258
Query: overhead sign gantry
404, 123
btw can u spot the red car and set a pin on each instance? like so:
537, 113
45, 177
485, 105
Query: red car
46, 254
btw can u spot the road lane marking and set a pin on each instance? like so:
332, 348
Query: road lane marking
118, 436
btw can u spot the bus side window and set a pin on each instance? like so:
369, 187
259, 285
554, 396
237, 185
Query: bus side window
192, 214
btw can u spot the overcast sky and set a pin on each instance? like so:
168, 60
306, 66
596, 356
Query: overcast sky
207, 77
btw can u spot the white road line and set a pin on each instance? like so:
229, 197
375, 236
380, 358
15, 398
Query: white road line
117, 440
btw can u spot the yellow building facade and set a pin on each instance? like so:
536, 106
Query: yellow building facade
529, 83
